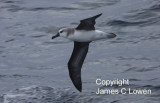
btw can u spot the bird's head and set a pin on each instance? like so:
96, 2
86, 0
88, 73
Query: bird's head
62, 32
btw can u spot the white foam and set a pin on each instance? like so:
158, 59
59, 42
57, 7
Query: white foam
11, 95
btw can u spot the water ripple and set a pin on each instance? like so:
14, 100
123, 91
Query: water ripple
155, 7
36, 94
124, 23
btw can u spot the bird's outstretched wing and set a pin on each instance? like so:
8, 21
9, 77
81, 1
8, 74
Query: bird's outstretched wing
88, 24
76, 61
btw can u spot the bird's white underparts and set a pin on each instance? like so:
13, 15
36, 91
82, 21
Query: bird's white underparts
84, 35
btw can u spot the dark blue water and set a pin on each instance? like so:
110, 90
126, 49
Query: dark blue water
33, 68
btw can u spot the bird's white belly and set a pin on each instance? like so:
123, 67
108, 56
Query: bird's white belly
87, 36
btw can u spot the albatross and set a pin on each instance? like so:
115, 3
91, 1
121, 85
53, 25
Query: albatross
82, 36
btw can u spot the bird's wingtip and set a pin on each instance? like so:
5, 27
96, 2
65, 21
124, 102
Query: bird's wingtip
98, 15
79, 89
78, 85
76, 80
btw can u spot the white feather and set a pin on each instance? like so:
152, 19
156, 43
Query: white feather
86, 36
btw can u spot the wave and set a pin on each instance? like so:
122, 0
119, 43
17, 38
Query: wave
40, 94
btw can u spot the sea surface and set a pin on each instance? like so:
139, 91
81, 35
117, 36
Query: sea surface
33, 67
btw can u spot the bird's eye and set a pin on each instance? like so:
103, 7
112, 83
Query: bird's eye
61, 31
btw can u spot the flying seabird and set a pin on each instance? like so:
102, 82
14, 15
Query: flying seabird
82, 36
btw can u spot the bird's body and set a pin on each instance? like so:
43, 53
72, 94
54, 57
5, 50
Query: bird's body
87, 36
82, 36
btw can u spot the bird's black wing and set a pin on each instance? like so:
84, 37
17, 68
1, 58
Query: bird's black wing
88, 24
76, 61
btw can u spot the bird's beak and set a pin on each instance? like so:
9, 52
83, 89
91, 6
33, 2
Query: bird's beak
57, 35
111, 35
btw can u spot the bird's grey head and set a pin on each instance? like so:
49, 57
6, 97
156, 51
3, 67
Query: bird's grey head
62, 32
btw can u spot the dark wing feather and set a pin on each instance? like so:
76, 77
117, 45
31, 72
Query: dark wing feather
76, 61
88, 24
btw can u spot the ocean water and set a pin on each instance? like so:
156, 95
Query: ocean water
33, 68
